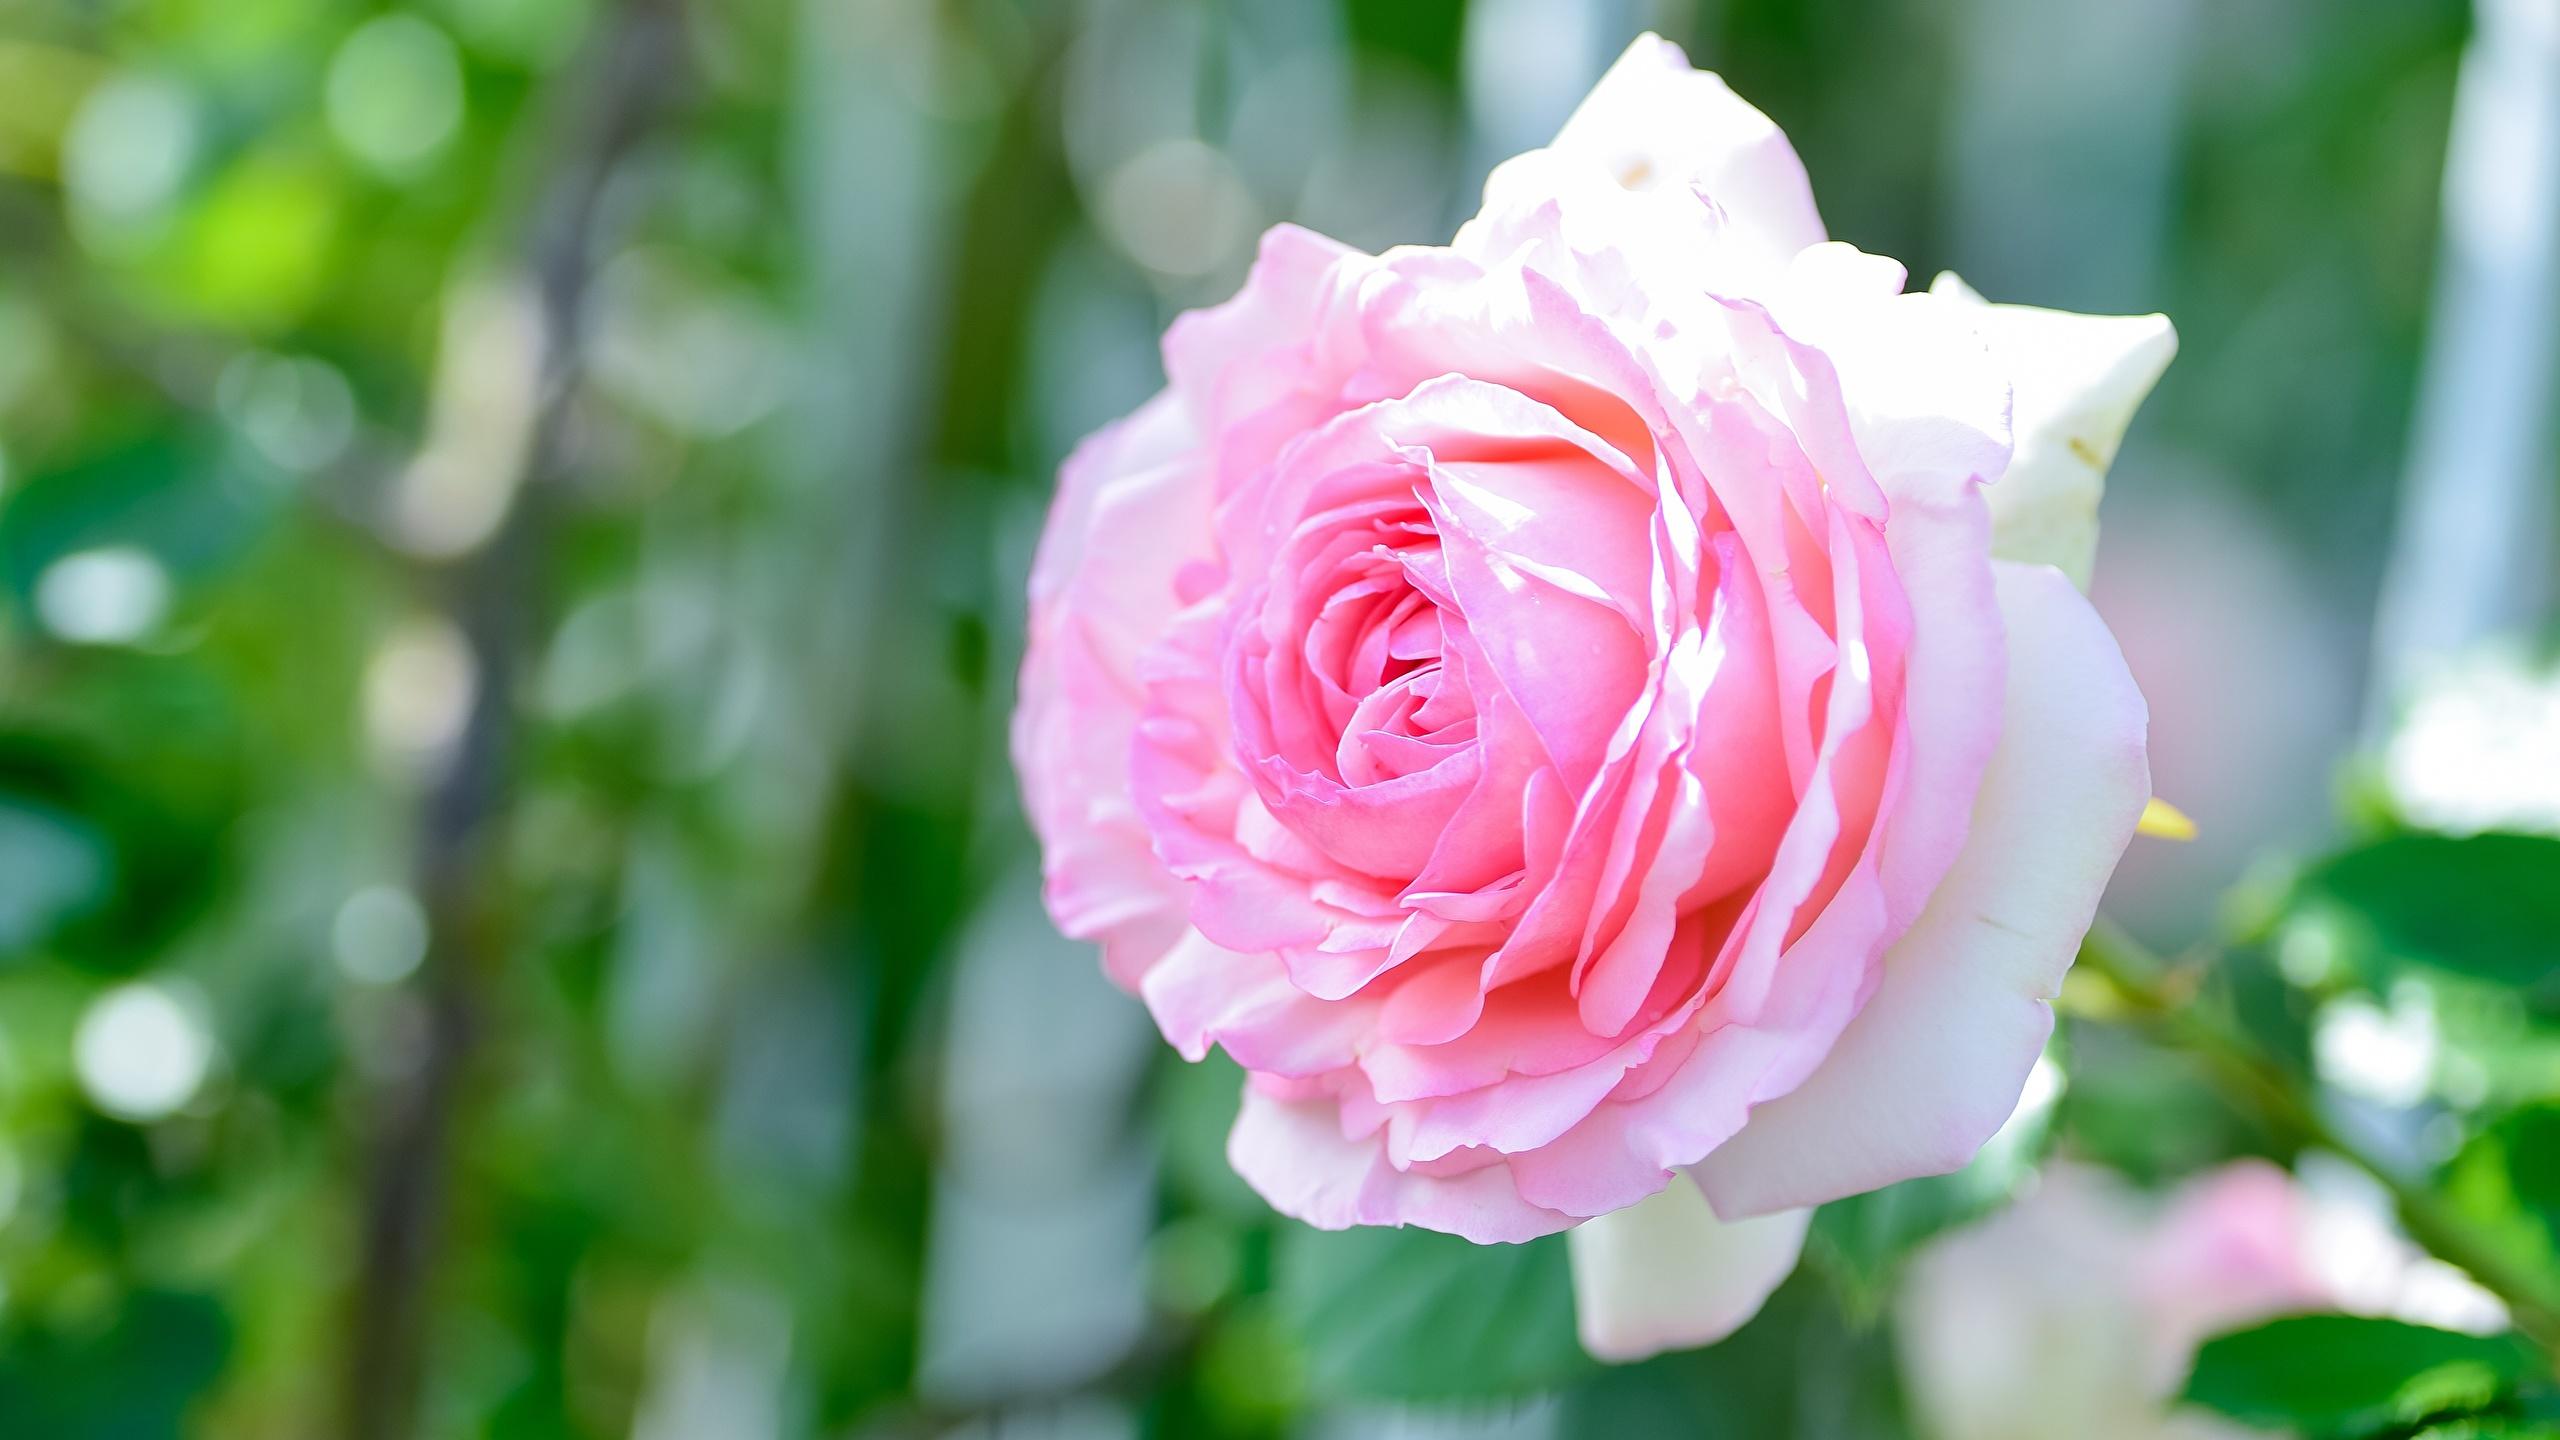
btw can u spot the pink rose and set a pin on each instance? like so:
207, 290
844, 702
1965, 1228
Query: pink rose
1571, 707
2078, 1310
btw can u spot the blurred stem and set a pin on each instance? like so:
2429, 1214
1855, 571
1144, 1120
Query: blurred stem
2162, 996
490, 596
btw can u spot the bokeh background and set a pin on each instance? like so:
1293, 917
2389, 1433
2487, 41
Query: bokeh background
514, 920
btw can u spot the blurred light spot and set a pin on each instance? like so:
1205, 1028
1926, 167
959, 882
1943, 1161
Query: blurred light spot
109, 596
379, 936
2310, 951
417, 692
395, 93
2353, 1246
694, 352
480, 427
2435, 1293
1178, 208
295, 410
2479, 748
141, 1052
719, 1359
261, 244
129, 148
2387, 1056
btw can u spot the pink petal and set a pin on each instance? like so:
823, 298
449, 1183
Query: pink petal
1131, 512
1935, 1061
1202, 994
1294, 1153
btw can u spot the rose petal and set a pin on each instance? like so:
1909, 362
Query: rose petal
1294, 1153
1934, 1063
2079, 378
1668, 1275
1929, 400
1092, 613
1653, 122
1202, 994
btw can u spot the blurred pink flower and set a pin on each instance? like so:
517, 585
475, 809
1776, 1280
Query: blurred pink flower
1569, 708
2078, 1310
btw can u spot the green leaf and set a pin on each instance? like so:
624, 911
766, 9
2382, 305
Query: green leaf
1413, 1315
2532, 1141
107, 867
2346, 1375
2506, 1182
2481, 905
182, 494
134, 1381
58, 868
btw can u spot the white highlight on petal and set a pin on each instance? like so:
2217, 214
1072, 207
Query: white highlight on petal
1666, 1274
1656, 123
2077, 379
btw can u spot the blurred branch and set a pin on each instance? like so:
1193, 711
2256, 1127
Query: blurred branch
2154, 991
489, 595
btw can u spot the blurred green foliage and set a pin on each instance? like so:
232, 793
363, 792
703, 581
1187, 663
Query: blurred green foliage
594, 735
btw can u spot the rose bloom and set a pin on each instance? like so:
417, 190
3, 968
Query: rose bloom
1593, 708
2078, 1310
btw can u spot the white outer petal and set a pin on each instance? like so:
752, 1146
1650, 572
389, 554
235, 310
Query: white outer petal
1929, 396
1666, 1274
1652, 123
2077, 380
1934, 1064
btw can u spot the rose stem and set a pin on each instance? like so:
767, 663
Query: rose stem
2253, 1080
